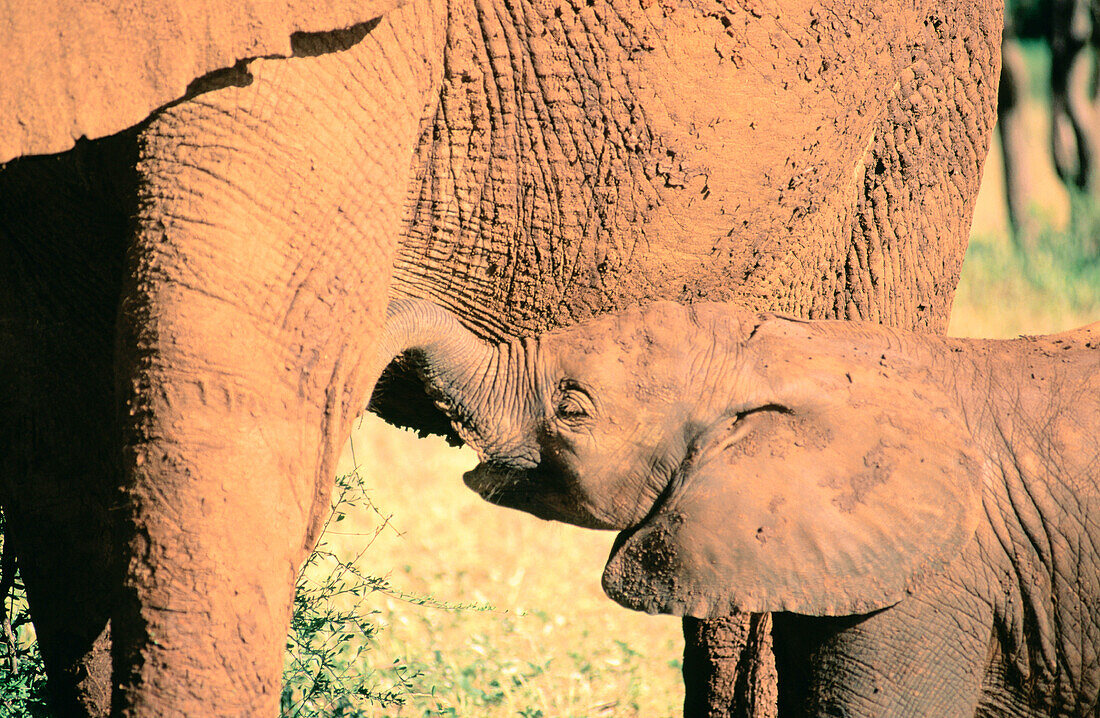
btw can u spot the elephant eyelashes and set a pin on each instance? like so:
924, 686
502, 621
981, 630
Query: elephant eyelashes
573, 406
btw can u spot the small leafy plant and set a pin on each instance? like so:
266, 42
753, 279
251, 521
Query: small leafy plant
325, 672
22, 675
330, 629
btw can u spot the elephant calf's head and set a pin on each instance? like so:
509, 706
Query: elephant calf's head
753, 463
614, 406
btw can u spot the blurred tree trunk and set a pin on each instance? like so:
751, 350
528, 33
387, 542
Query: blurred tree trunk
1019, 179
1075, 118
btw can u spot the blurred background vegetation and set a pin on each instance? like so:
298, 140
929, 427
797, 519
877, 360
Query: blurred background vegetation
423, 600
1034, 260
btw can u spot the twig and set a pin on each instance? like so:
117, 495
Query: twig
7, 582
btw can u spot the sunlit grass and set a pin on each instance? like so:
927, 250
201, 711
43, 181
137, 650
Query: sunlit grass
543, 641
1055, 285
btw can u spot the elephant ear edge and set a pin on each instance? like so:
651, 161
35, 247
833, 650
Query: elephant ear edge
74, 69
771, 519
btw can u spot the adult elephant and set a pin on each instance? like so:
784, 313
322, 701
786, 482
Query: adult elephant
189, 307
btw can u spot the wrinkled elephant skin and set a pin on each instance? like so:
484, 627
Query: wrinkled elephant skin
190, 308
917, 512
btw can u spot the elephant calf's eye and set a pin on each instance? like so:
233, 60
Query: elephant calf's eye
570, 408
573, 404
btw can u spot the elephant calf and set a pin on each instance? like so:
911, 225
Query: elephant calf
921, 513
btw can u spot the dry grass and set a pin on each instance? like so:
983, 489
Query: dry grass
551, 645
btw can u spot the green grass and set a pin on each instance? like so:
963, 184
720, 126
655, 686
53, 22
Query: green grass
1055, 285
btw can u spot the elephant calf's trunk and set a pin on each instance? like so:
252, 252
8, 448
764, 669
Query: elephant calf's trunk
419, 327
458, 369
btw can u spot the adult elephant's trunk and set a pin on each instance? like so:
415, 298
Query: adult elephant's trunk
483, 388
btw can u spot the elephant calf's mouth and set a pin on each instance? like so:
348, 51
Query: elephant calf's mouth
516, 488
503, 485
530, 491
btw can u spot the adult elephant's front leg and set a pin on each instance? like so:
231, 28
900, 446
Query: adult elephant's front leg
267, 230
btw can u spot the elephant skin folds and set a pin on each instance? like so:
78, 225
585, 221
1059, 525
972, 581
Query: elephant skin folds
851, 160
525, 163
76, 69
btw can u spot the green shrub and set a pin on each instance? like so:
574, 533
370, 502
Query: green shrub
329, 630
22, 675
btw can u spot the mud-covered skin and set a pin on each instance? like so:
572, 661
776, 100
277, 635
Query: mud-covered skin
580, 159
917, 513
524, 162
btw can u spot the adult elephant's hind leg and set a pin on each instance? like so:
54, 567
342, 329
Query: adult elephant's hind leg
63, 227
729, 671
270, 218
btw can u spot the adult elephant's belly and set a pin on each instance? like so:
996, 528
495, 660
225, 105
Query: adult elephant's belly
813, 159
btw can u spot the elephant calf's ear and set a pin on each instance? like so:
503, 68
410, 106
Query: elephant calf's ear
836, 513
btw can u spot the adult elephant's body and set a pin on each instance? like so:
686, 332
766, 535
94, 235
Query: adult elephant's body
526, 164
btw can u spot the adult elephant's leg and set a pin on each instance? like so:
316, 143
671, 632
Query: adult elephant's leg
729, 669
269, 220
63, 227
